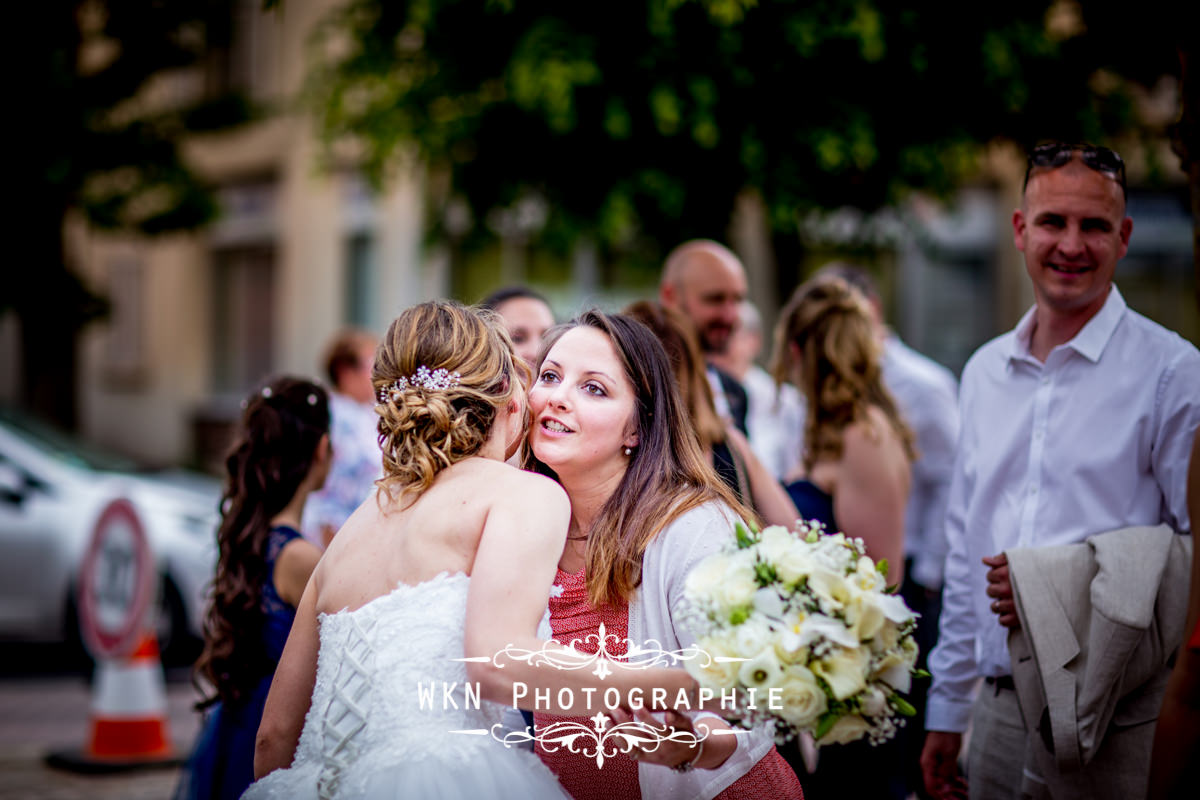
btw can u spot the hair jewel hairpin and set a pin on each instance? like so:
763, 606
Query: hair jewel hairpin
423, 378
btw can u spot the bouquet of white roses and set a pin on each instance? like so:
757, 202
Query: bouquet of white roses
801, 628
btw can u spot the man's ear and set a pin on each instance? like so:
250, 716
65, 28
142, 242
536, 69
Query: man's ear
1018, 224
667, 294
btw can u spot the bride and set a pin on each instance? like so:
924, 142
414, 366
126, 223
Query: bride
454, 559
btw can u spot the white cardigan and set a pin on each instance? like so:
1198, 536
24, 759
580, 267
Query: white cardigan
652, 614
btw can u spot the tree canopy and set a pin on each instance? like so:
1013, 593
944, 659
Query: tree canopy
103, 149
647, 118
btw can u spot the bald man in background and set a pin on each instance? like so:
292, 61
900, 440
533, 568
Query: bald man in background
705, 281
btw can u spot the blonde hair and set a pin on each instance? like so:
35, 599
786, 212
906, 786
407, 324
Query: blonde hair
423, 430
839, 365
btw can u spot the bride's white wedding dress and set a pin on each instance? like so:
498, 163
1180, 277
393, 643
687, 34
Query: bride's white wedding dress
367, 735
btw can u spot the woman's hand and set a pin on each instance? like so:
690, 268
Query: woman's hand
709, 752
668, 752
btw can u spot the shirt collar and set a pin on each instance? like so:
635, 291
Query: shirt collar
1092, 337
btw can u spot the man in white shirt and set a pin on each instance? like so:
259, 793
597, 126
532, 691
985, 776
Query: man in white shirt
1076, 422
705, 281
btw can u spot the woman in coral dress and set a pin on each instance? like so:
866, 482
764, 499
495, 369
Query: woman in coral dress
646, 507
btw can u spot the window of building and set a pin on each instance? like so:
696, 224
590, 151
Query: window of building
243, 318
361, 285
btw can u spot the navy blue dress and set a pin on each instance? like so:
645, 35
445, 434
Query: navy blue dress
878, 771
813, 503
222, 765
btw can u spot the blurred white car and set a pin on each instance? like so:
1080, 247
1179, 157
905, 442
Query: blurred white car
52, 491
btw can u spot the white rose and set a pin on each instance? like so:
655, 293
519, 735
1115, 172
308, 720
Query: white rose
873, 702
762, 671
849, 728
775, 542
715, 674
803, 699
751, 637
845, 670
704, 580
738, 584
794, 562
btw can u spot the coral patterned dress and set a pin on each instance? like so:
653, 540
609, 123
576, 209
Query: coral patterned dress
573, 618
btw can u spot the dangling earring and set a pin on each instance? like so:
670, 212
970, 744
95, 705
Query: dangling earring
628, 451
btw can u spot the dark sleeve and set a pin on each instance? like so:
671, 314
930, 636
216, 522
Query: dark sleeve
735, 394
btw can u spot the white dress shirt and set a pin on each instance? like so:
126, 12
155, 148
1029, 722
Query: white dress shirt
1094, 439
927, 395
775, 421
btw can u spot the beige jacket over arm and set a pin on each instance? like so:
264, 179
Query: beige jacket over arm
1100, 621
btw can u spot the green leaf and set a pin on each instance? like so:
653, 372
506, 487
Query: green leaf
744, 537
902, 706
765, 574
826, 723
881, 566
920, 673
738, 616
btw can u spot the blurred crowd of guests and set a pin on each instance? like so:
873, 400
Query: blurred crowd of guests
986, 500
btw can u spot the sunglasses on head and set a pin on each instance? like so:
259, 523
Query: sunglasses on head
1056, 154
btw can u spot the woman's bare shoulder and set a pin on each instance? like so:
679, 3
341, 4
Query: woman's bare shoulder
872, 444
497, 480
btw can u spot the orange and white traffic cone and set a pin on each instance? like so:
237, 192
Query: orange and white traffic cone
128, 726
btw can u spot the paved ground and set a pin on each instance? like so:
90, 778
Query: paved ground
44, 708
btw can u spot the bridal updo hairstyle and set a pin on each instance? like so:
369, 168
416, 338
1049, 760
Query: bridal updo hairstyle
281, 426
667, 473
836, 361
423, 430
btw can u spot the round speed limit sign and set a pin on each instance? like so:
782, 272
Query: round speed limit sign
115, 582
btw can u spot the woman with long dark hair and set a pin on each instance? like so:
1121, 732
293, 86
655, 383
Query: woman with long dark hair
646, 506
281, 455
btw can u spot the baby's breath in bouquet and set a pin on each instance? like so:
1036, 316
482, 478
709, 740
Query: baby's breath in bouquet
806, 621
